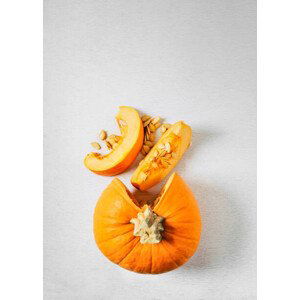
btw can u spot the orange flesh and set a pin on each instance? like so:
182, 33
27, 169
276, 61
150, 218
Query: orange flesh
179, 137
114, 233
119, 159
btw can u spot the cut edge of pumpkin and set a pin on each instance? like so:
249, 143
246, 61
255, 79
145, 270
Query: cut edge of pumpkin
118, 160
130, 197
139, 206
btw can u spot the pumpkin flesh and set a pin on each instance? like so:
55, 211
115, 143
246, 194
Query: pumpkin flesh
130, 144
157, 168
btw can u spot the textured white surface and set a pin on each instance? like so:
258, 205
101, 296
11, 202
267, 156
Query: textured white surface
189, 60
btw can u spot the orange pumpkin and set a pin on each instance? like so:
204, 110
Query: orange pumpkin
128, 145
163, 157
153, 238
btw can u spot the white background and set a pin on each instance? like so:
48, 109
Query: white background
21, 119
192, 61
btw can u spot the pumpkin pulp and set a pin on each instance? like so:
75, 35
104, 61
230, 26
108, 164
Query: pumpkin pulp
129, 145
163, 157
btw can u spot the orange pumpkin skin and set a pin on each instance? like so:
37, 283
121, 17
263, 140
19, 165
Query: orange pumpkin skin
114, 233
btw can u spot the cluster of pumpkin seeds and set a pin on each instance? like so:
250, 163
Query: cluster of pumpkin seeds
151, 124
161, 159
111, 141
163, 155
165, 127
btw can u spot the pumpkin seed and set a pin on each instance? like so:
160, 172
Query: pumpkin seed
152, 127
143, 152
115, 145
102, 135
157, 125
108, 144
148, 129
146, 123
96, 145
148, 143
117, 138
146, 148
165, 127
155, 153
173, 154
147, 136
163, 153
151, 137
145, 118
168, 147
155, 120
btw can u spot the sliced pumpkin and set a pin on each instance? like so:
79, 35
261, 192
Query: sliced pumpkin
126, 149
163, 157
154, 238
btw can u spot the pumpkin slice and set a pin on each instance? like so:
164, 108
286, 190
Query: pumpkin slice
163, 157
129, 145
154, 238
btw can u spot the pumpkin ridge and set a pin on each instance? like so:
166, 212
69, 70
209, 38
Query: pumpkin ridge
168, 222
114, 224
122, 249
174, 213
115, 237
128, 253
174, 261
180, 236
187, 256
151, 265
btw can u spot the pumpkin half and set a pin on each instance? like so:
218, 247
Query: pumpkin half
163, 157
129, 145
152, 238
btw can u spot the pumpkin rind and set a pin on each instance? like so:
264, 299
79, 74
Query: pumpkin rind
114, 232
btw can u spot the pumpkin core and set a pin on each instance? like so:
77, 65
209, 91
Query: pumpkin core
148, 226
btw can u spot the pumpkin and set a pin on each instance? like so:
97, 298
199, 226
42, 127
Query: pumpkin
127, 147
163, 157
149, 238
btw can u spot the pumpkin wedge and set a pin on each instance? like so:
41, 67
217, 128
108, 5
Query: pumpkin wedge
127, 147
153, 238
163, 157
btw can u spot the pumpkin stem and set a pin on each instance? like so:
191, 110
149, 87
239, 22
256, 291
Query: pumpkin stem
148, 226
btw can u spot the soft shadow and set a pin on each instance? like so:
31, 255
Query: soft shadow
200, 139
223, 230
143, 197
